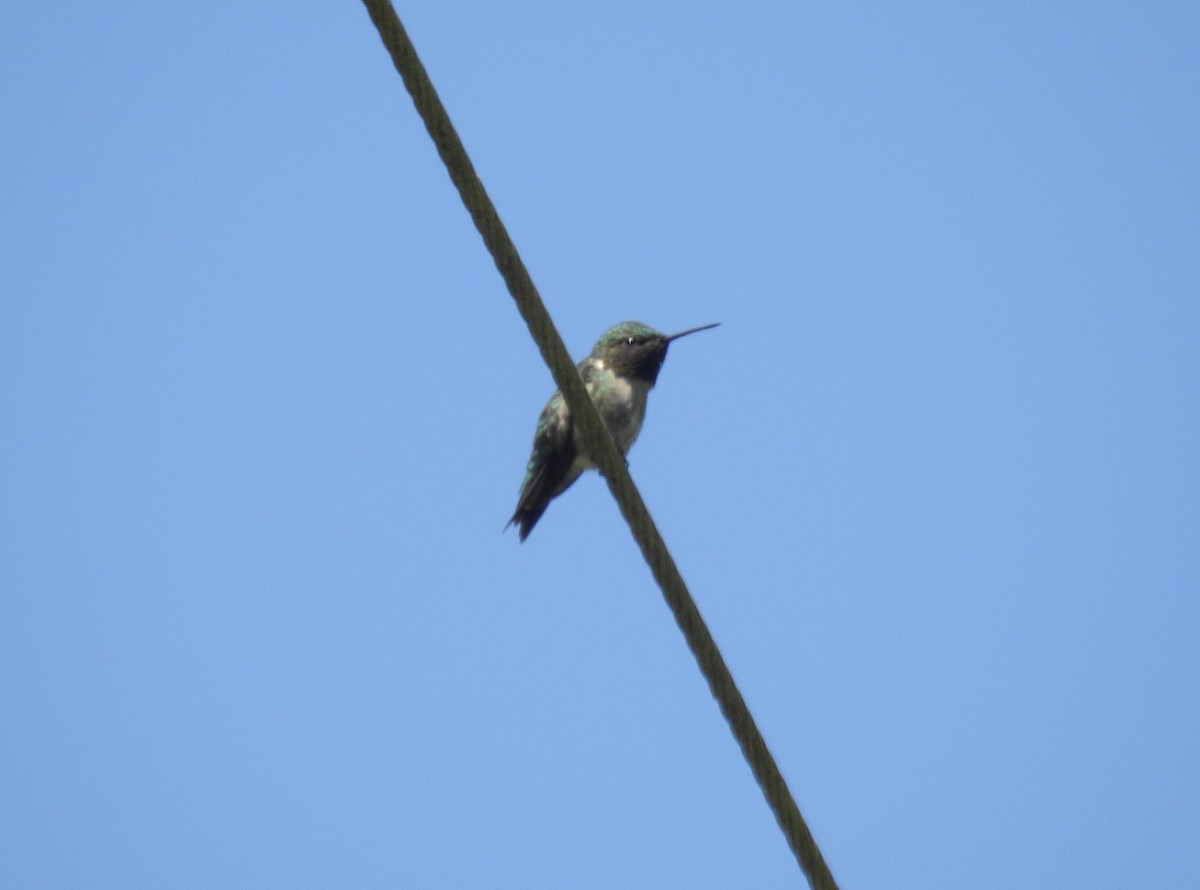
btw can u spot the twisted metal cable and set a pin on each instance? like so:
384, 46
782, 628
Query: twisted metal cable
599, 443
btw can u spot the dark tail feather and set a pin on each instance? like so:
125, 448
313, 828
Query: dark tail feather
549, 481
526, 518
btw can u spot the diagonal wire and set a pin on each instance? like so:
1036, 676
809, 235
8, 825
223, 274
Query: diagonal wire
599, 443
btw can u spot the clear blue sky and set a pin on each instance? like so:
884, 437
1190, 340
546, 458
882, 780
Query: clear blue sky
934, 483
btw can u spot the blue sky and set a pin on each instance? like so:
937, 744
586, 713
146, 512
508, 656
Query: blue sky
933, 483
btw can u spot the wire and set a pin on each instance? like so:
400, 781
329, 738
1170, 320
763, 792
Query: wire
599, 443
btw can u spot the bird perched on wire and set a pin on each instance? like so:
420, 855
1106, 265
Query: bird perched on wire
618, 374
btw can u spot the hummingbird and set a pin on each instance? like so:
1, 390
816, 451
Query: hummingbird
618, 374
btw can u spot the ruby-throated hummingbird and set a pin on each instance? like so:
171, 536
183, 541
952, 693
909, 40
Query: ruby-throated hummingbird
620, 371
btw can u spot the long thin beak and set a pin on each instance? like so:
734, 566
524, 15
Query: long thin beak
703, 327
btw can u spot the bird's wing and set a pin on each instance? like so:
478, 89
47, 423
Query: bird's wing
549, 465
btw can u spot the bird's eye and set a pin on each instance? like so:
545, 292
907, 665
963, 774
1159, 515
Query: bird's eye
628, 341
